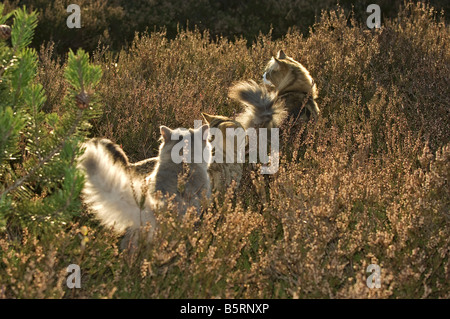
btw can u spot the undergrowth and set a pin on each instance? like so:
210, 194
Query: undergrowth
368, 183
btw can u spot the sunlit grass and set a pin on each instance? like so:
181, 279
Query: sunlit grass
368, 183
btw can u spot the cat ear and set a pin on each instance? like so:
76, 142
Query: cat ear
208, 118
165, 132
281, 55
274, 64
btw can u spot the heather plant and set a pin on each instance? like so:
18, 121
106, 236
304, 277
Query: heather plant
115, 21
367, 183
101, 20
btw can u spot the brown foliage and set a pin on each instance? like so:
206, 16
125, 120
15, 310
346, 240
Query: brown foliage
367, 183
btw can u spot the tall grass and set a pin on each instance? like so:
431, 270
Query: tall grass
368, 183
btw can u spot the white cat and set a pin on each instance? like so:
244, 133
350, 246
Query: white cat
125, 200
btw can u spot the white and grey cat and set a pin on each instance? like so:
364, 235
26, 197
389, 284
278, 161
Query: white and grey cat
123, 199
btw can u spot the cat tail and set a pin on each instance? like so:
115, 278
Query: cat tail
262, 108
111, 190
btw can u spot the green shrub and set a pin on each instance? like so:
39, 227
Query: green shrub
40, 184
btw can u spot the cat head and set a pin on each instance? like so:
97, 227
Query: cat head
185, 145
283, 73
225, 128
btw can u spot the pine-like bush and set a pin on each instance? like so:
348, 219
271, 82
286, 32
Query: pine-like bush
40, 184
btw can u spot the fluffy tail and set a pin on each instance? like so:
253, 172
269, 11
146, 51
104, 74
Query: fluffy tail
262, 108
111, 191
